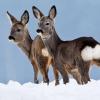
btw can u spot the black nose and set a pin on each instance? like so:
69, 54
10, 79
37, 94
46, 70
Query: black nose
39, 31
11, 38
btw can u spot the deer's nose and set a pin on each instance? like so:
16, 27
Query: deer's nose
11, 38
39, 31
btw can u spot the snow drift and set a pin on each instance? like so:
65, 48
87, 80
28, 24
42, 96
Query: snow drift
30, 91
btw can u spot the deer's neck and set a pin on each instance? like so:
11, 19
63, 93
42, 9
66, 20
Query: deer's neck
25, 45
52, 43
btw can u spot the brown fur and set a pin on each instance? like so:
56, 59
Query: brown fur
32, 48
66, 54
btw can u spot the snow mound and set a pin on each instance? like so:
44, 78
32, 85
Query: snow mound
30, 91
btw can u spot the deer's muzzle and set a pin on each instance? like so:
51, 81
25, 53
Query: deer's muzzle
39, 31
11, 38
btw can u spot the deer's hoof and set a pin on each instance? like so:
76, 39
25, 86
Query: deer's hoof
46, 81
57, 83
36, 82
66, 81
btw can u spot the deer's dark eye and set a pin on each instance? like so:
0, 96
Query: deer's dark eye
18, 30
47, 23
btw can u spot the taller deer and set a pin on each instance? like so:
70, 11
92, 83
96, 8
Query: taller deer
75, 56
34, 49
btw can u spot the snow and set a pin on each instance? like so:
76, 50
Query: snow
30, 91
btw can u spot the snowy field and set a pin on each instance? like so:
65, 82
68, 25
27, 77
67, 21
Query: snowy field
30, 91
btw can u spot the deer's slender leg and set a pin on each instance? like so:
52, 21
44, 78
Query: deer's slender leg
82, 70
86, 75
42, 62
35, 72
63, 73
76, 75
56, 73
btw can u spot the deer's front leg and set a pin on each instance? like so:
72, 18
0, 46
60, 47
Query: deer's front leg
56, 73
35, 67
42, 63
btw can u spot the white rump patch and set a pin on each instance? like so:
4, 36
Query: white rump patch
89, 53
45, 52
96, 52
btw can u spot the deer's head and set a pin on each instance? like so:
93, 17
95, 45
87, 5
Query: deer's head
46, 23
18, 28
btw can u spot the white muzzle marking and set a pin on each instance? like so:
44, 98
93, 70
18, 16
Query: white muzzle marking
40, 34
12, 41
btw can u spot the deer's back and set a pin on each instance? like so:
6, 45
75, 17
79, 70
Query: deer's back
69, 51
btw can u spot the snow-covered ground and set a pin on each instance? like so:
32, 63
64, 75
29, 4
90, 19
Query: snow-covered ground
30, 91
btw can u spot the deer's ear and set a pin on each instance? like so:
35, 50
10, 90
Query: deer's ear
12, 18
25, 17
52, 12
37, 13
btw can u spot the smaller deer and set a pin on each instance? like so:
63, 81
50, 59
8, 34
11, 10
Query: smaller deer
34, 49
75, 56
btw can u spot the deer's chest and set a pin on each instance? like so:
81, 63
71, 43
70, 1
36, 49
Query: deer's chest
45, 52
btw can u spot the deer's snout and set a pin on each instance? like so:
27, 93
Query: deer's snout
11, 38
39, 31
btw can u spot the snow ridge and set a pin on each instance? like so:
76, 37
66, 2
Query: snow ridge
30, 91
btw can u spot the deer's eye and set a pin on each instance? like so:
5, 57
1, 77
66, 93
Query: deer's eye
47, 23
18, 30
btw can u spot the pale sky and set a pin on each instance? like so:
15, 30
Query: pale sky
74, 18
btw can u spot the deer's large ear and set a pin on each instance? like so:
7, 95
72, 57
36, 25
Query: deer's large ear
25, 17
12, 18
52, 12
37, 13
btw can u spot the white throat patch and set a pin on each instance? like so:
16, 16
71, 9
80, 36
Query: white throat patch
45, 52
89, 53
12, 41
40, 34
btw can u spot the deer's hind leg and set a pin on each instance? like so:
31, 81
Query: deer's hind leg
76, 75
79, 73
83, 70
86, 77
63, 72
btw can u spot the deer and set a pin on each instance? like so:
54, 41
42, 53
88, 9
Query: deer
34, 49
71, 57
